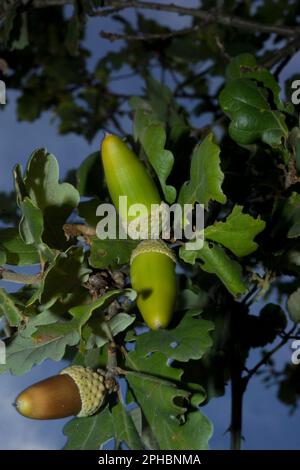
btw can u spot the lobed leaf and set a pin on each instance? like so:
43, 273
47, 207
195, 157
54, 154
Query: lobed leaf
89, 433
252, 117
110, 253
188, 340
16, 251
9, 309
24, 352
237, 232
215, 260
206, 176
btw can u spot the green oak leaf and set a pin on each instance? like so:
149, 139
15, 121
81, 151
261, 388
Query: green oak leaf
215, 260
122, 321
110, 253
245, 66
97, 335
64, 279
162, 403
294, 142
252, 117
292, 215
9, 309
16, 251
237, 232
167, 110
33, 225
163, 107
137, 418
31, 228
125, 430
24, 351
90, 177
192, 298
22, 40
293, 306
56, 200
152, 135
87, 210
206, 176
155, 364
21, 191
90, 433
8, 23
190, 339
196, 433
81, 314
156, 397
2, 256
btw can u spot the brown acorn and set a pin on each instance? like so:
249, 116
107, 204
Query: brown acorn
75, 391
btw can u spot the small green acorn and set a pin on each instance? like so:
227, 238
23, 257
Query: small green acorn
153, 277
126, 175
75, 391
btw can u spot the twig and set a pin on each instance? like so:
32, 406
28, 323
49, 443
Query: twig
11, 276
122, 76
221, 47
252, 292
174, 77
288, 337
236, 370
191, 80
289, 49
147, 37
207, 16
50, 3
267, 356
237, 394
283, 63
112, 362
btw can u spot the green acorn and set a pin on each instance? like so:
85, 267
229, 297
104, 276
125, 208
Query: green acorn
153, 277
75, 391
126, 175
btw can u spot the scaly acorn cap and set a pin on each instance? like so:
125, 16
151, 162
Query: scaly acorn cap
152, 246
91, 388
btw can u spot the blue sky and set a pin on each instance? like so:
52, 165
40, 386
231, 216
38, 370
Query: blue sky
267, 424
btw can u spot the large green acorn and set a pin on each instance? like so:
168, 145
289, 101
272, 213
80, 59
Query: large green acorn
126, 175
75, 391
153, 277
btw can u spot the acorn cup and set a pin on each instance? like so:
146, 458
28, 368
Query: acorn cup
75, 391
126, 175
153, 277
